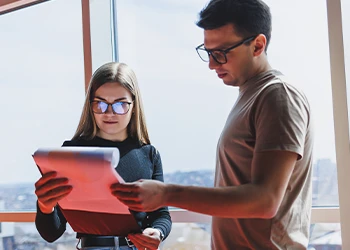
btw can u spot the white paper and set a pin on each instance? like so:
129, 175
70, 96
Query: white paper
90, 170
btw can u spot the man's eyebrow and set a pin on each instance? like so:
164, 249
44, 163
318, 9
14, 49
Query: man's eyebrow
116, 100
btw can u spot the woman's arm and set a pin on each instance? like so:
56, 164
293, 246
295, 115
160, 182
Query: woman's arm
159, 219
50, 226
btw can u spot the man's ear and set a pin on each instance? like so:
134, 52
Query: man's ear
259, 45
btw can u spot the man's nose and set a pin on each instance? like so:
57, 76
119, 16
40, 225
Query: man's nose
212, 63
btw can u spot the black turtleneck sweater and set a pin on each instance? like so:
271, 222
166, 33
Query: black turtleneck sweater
136, 162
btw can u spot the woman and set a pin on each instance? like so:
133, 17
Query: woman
112, 116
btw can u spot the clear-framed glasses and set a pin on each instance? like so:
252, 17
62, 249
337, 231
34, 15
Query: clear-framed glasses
219, 55
119, 107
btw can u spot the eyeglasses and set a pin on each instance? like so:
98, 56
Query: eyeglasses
119, 108
219, 55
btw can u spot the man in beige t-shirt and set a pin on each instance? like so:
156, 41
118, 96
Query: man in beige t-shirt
262, 193
269, 116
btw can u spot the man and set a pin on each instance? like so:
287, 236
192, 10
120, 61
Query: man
262, 193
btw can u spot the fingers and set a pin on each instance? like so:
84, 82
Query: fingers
126, 196
46, 206
125, 187
58, 198
130, 199
50, 199
50, 190
46, 177
143, 195
55, 193
133, 205
142, 241
46, 184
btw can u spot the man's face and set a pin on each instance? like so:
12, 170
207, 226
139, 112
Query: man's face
239, 66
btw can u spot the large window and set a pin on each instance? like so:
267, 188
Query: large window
41, 80
299, 48
186, 105
42, 84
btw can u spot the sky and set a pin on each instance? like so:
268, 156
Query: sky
186, 105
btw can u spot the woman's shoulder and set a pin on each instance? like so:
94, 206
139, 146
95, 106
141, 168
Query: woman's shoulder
148, 147
151, 150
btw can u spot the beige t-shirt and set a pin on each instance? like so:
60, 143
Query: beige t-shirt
269, 114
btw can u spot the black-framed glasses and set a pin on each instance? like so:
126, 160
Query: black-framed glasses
219, 55
119, 107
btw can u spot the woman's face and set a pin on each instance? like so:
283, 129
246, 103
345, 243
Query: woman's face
112, 107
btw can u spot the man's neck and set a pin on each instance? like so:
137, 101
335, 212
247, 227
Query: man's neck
261, 68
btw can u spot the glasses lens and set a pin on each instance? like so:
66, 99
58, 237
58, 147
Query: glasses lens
120, 108
219, 56
99, 107
203, 54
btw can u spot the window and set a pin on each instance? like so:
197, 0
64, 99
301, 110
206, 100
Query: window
184, 123
42, 83
42, 70
157, 39
185, 104
101, 32
295, 44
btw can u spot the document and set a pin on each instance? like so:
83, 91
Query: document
90, 170
90, 207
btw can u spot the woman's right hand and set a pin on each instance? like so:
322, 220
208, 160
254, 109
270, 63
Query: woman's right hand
50, 190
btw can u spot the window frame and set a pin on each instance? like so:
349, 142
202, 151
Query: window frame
340, 113
7, 6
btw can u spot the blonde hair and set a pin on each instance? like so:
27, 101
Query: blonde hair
125, 76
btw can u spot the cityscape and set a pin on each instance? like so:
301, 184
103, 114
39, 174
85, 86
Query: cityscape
184, 236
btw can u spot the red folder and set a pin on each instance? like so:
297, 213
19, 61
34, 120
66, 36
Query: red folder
90, 208
101, 223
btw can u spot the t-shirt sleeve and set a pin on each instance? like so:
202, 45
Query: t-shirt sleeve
281, 119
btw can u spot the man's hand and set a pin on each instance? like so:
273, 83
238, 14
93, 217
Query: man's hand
149, 239
142, 195
50, 190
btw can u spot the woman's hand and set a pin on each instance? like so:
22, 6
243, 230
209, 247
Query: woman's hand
50, 190
149, 239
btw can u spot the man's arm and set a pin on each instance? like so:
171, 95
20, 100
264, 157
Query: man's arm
271, 171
